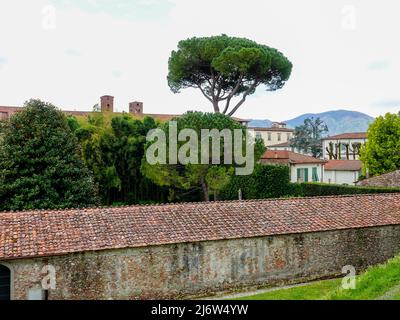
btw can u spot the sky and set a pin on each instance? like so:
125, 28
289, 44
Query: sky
345, 54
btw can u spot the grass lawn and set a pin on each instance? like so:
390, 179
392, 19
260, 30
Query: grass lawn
313, 291
379, 282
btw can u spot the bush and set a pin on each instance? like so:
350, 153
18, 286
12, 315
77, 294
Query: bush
40, 164
321, 189
267, 181
272, 181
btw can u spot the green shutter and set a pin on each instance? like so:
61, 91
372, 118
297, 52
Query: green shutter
314, 175
305, 174
298, 175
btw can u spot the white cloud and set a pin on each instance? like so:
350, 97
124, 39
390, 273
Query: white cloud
128, 57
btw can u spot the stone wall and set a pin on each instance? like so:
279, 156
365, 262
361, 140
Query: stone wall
182, 270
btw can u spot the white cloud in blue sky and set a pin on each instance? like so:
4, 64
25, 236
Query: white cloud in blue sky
98, 47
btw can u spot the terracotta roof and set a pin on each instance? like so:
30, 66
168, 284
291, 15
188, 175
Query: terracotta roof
271, 129
283, 144
288, 157
9, 109
390, 179
47, 233
349, 135
343, 165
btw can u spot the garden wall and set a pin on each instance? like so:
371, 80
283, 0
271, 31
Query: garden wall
202, 268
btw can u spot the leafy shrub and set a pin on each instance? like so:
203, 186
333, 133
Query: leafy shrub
321, 189
272, 181
40, 164
267, 181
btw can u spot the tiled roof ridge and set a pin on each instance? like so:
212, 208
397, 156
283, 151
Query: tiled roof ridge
47, 233
206, 202
345, 135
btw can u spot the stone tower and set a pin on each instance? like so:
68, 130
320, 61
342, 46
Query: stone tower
136, 107
107, 103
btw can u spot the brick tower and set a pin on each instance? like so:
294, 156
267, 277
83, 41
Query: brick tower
107, 103
136, 107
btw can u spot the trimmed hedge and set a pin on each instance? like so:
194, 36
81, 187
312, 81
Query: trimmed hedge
272, 181
323, 189
267, 181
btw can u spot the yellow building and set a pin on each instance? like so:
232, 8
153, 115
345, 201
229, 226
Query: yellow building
276, 134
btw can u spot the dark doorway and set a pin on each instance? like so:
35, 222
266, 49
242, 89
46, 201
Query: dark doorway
5, 281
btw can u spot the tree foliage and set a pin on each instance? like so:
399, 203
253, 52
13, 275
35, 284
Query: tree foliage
40, 164
113, 148
381, 153
209, 178
307, 137
225, 67
273, 181
317, 189
267, 181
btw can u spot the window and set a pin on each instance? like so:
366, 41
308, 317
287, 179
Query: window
269, 136
258, 135
279, 136
288, 136
314, 175
302, 175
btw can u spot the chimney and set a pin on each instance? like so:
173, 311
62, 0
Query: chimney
107, 103
136, 107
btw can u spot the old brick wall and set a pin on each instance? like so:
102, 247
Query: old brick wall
181, 270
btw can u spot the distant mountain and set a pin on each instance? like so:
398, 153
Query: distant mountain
338, 121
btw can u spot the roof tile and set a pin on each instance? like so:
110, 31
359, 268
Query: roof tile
285, 156
348, 135
47, 233
343, 165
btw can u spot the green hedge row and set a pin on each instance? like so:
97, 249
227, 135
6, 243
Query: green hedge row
323, 189
267, 181
272, 181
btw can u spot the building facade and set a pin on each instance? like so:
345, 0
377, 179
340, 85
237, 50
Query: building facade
302, 168
345, 146
285, 146
276, 134
342, 171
